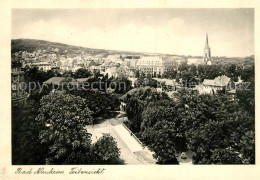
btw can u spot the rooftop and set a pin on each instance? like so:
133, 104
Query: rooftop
54, 80
218, 81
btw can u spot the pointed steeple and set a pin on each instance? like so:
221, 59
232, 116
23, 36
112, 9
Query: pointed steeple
207, 53
207, 43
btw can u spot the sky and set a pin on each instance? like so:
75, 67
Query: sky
171, 31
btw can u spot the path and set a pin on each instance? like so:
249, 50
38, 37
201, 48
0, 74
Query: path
131, 151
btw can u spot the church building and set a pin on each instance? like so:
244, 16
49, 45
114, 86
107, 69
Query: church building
206, 56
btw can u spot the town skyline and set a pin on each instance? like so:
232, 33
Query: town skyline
149, 31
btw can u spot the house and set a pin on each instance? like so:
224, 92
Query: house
43, 66
108, 64
219, 83
131, 74
94, 69
54, 80
90, 63
130, 63
82, 82
117, 72
167, 84
59, 81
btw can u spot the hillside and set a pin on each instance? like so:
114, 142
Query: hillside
31, 45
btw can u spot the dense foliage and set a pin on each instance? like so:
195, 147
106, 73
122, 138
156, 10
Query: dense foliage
106, 149
120, 85
65, 117
137, 100
82, 73
160, 130
143, 81
215, 123
54, 132
100, 103
233, 68
100, 100
214, 127
26, 146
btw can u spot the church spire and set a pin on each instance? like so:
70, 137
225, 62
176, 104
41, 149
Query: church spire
207, 53
207, 42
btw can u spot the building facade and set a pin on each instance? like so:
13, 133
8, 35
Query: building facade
43, 66
155, 65
220, 83
19, 95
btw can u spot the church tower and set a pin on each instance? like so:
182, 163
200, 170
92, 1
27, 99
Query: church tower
207, 54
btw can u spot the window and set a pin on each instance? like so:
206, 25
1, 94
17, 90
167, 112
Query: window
14, 86
14, 78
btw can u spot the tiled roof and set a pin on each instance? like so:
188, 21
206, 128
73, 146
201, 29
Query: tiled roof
218, 81
82, 79
54, 80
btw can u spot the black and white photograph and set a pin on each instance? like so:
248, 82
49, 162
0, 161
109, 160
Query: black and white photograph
158, 86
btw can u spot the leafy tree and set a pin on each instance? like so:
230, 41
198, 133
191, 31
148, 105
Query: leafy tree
247, 73
137, 73
35, 75
67, 74
231, 69
82, 73
214, 124
162, 131
137, 99
183, 66
51, 73
97, 74
26, 146
146, 81
188, 80
201, 69
134, 109
224, 156
212, 71
38, 93
100, 103
170, 74
193, 70
120, 85
64, 117
245, 92
106, 149
247, 145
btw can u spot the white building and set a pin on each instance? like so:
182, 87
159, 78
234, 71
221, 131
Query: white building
210, 86
155, 65
43, 66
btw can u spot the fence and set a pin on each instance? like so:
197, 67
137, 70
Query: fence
132, 134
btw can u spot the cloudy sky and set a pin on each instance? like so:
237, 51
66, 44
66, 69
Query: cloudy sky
173, 31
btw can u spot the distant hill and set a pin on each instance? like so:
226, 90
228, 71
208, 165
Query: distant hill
31, 45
